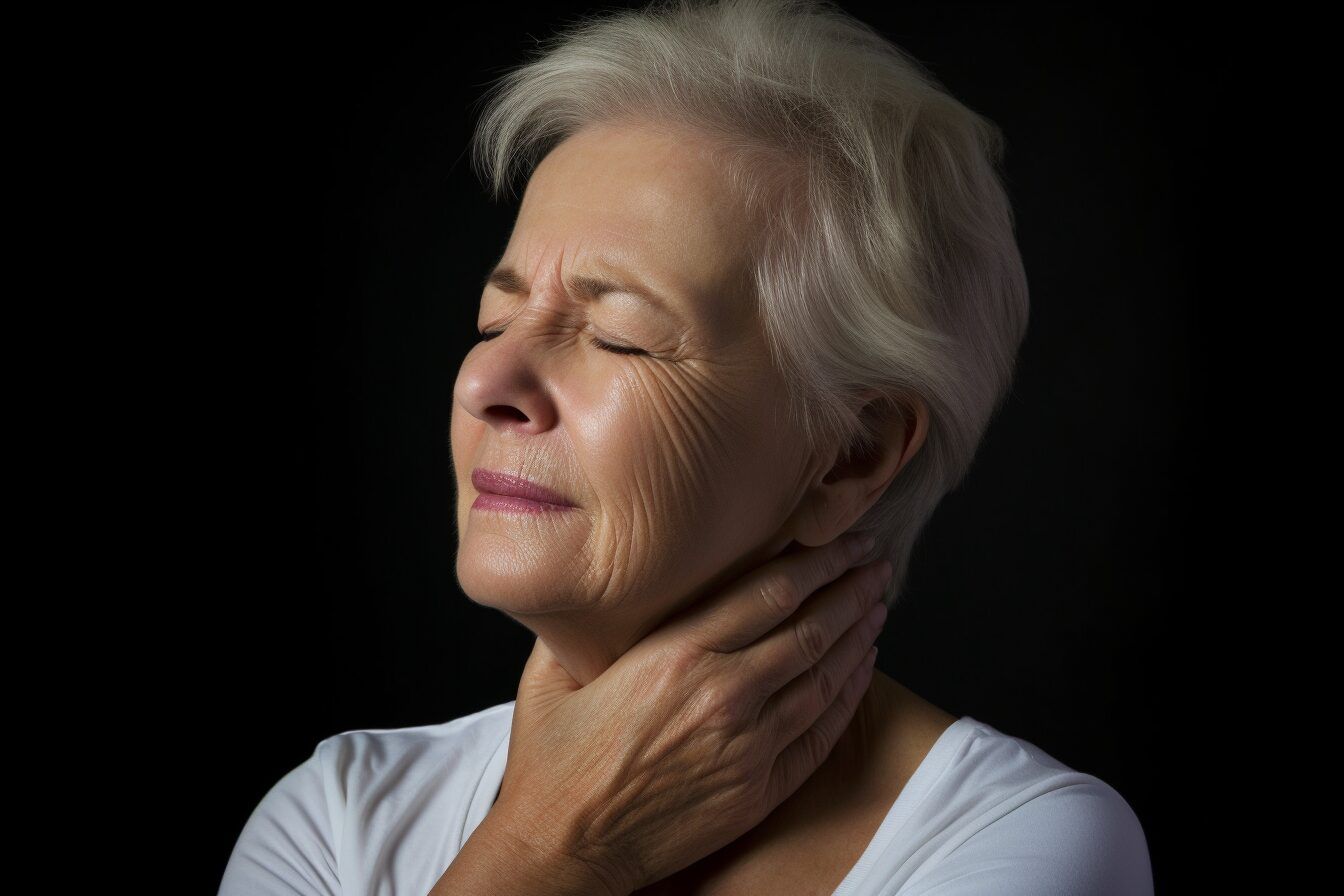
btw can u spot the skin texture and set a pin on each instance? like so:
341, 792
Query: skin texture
680, 462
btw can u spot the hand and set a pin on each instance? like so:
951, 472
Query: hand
701, 729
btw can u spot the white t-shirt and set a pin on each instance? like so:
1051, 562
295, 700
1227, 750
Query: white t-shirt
383, 812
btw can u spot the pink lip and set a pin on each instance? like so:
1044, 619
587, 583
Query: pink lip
501, 491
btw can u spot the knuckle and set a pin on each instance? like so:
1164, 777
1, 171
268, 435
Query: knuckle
780, 594
732, 763
811, 640
724, 708
677, 671
680, 661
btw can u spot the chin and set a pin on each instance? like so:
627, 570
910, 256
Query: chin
513, 581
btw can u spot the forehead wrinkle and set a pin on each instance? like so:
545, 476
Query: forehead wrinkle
644, 220
637, 220
590, 287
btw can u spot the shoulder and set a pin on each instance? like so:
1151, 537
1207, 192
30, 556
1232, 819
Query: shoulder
291, 841
1020, 821
362, 757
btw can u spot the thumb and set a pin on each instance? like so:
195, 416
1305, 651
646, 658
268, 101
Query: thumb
544, 681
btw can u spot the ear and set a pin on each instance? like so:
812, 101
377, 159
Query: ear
855, 478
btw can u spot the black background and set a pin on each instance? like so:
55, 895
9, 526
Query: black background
340, 238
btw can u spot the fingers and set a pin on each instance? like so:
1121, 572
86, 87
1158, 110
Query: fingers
804, 642
845, 621
796, 762
769, 594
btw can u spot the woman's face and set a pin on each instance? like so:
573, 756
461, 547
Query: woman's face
677, 458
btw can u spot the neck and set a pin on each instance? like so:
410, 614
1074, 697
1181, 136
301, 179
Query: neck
585, 644
587, 641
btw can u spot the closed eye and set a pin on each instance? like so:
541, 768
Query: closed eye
600, 343
618, 349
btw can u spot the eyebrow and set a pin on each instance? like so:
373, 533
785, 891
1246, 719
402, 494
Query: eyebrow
592, 287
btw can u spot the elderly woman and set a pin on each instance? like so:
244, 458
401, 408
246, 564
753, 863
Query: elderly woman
760, 301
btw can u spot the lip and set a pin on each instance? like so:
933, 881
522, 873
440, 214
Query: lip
503, 491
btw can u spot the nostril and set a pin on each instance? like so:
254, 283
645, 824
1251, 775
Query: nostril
509, 411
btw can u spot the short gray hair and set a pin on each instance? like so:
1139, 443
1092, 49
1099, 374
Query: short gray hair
885, 258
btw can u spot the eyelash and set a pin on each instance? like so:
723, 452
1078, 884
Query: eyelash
486, 336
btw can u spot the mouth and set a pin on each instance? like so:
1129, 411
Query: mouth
514, 494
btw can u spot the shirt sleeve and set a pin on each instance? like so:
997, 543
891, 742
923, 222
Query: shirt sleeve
1079, 840
286, 847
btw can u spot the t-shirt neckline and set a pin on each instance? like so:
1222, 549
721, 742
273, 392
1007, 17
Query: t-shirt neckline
926, 775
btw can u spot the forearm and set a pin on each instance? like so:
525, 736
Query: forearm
496, 860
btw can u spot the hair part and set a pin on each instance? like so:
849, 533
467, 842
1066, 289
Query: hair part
884, 256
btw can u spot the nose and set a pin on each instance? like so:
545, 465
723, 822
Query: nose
500, 384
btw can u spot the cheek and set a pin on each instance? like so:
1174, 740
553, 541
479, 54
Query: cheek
692, 474
670, 449
628, 443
